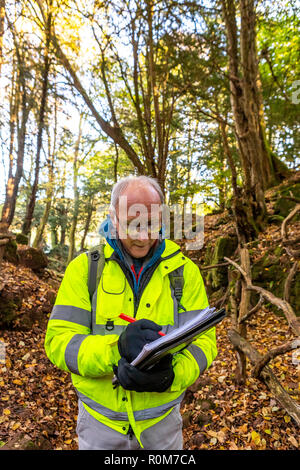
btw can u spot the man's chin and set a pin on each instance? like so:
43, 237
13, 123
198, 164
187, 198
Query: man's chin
139, 251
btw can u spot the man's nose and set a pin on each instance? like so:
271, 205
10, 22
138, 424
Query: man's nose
142, 234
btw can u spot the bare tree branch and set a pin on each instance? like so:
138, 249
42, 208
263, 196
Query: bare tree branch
283, 398
287, 285
252, 311
280, 303
284, 234
283, 348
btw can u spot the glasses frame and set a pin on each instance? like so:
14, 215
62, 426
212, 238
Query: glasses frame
149, 230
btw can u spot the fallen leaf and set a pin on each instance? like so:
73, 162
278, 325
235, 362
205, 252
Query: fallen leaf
15, 426
18, 382
255, 436
293, 441
233, 446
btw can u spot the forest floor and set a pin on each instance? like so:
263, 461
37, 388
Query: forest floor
38, 405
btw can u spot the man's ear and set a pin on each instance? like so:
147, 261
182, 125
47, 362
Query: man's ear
113, 217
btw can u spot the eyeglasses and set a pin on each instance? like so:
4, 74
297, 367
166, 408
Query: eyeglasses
134, 228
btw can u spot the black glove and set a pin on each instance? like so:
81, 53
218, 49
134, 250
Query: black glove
157, 379
135, 336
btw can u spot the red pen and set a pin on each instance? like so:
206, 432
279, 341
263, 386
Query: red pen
132, 320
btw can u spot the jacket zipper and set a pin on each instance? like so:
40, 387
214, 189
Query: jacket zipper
145, 279
130, 432
128, 275
144, 282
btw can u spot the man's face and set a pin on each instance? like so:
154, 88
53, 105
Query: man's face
138, 219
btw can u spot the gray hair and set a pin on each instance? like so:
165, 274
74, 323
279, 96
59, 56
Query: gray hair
123, 183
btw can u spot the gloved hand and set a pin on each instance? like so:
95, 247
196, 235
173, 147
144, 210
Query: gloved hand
135, 336
157, 379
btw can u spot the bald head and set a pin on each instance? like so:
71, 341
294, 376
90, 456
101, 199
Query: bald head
137, 208
139, 181
138, 192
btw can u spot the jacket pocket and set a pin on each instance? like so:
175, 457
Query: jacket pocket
110, 303
112, 285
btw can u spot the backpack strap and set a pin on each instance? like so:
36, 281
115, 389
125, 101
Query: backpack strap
177, 282
96, 261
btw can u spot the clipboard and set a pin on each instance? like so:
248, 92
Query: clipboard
177, 340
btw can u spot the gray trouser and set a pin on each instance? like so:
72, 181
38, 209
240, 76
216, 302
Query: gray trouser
93, 435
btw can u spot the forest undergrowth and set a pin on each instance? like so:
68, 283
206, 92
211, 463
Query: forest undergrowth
38, 405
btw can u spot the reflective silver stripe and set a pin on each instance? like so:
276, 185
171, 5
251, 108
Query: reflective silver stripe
199, 356
181, 319
102, 330
72, 314
158, 410
139, 415
71, 353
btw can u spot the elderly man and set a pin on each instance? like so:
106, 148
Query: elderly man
88, 338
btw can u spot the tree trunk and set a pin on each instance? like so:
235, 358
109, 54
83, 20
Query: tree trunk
260, 157
243, 310
23, 102
12, 186
2, 17
14, 104
88, 219
54, 237
76, 196
20, 153
246, 105
50, 185
45, 78
49, 194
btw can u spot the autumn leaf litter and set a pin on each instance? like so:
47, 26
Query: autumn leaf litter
38, 405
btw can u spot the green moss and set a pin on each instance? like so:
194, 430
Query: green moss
9, 310
10, 252
225, 246
22, 239
271, 274
283, 206
33, 258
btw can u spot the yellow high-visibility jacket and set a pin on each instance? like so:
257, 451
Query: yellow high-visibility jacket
82, 335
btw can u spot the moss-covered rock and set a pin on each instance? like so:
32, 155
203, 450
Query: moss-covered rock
283, 205
22, 239
11, 252
33, 258
269, 272
225, 246
10, 303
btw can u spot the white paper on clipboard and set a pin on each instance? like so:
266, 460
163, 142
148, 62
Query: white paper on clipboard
179, 338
